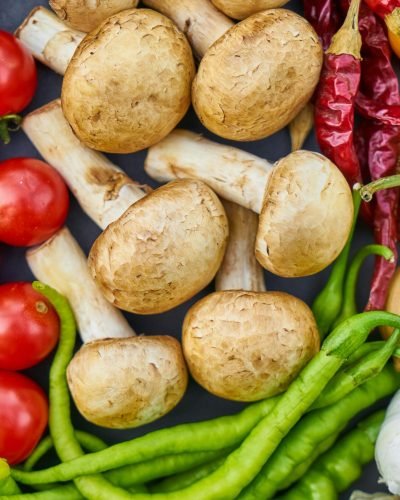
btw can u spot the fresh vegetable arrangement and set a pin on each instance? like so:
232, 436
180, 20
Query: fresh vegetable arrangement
304, 371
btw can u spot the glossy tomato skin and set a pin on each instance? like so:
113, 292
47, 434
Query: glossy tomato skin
29, 327
23, 416
33, 201
18, 78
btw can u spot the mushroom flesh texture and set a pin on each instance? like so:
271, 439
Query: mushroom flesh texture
128, 83
157, 251
247, 346
85, 15
117, 380
229, 93
237, 9
300, 200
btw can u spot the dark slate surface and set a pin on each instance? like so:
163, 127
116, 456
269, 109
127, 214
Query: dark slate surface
197, 404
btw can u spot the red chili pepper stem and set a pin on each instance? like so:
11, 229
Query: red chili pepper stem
9, 123
367, 192
348, 39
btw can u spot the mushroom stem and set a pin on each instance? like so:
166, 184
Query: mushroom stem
48, 39
61, 263
201, 22
240, 269
103, 190
235, 175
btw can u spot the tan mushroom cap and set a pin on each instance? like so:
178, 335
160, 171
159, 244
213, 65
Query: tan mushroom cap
163, 250
122, 383
247, 346
239, 9
306, 217
128, 83
85, 15
255, 79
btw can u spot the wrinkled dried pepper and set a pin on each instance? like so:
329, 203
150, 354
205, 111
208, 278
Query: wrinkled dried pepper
336, 94
389, 11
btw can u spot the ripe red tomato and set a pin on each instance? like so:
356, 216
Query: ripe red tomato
29, 326
23, 416
18, 79
33, 201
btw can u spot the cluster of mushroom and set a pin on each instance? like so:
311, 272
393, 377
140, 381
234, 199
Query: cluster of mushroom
127, 84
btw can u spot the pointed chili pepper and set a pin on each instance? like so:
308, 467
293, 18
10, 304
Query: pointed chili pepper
324, 17
336, 94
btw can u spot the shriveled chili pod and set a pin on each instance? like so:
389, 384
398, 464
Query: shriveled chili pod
324, 17
389, 11
336, 94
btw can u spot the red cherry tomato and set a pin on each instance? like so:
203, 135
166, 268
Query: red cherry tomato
18, 79
29, 326
23, 416
33, 201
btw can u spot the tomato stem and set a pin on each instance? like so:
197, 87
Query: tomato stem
9, 123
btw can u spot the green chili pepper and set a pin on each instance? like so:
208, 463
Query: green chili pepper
349, 307
314, 429
338, 468
328, 302
238, 469
7, 484
352, 376
88, 441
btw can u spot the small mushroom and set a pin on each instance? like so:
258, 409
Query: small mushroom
247, 346
117, 380
237, 9
128, 83
157, 250
85, 15
230, 94
304, 202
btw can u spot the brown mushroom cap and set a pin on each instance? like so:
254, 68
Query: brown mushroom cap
163, 250
247, 346
128, 83
85, 15
238, 9
122, 383
255, 79
306, 217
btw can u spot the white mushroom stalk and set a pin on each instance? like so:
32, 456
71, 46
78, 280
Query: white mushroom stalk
48, 39
117, 380
201, 22
298, 200
61, 263
234, 174
102, 189
240, 269
387, 451
151, 257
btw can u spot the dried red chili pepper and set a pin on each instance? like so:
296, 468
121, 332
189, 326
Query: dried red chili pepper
389, 11
336, 94
323, 15
373, 110
379, 86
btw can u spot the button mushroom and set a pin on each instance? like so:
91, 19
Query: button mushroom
128, 83
85, 15
254, 79
161, 249
237, 9
117, 380
247, 346
300, 200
